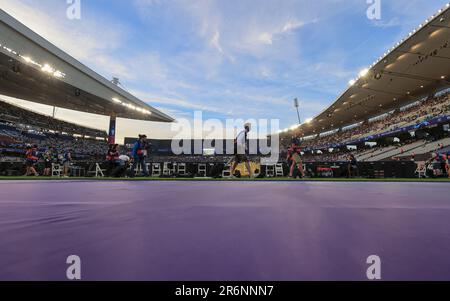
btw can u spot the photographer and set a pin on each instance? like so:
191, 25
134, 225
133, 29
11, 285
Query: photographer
139, 154
112, 157
121, 167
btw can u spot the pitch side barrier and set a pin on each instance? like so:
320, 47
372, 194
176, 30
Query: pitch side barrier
382, 169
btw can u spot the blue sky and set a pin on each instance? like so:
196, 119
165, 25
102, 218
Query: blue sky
229, 58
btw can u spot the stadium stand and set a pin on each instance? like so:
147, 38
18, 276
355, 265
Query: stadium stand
17, 115
20, 127
419, 116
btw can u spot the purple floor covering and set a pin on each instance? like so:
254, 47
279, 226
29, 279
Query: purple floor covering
224, 230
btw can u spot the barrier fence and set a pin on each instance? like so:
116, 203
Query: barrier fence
382, 169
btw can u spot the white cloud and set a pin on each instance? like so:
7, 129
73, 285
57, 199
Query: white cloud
178, 102
93, 47
288, 27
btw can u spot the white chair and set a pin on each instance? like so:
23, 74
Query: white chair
167, 170
181, 169
226, 173
98, 172
56, 170
270, 171
421, 169
201, 170
279, 172
156, 170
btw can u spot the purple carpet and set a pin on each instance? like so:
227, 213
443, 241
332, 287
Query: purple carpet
224, 230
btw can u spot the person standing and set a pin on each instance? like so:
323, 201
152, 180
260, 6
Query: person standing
139, 154
352, 166
47, 162
447, 164
31, 160
241, 150
67, 159
111, 158
294, 159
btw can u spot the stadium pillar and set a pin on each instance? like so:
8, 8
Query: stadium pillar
112, 129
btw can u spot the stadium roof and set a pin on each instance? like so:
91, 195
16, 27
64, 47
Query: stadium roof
416, 66
33, 69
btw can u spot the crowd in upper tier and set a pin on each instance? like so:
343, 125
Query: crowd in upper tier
20, 128
16, 115
413, 114
14, 142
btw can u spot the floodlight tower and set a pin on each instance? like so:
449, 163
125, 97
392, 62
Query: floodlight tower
297, 105
113, 118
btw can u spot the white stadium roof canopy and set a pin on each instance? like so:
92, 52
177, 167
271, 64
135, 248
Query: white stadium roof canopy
33, 69
416, 66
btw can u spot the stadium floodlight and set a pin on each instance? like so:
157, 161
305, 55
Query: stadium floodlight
364, 72
443, 77
48, 69
352, 82
116, 100
58, 74
297, 105
308, 121
27, 59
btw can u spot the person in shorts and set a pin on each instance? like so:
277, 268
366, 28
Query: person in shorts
294, 159
241, 150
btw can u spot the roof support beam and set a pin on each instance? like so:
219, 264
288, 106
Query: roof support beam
409, 76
